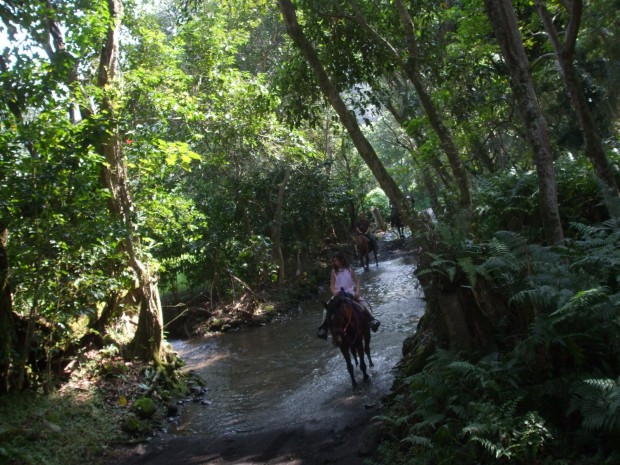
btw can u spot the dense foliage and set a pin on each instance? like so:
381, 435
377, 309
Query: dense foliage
547, 395
213, 148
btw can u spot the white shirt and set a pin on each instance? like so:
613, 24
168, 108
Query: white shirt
343, 279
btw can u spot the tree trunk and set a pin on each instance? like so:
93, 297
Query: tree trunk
7, 326
481, 154
100, 324
242, 209
329, 157
417, 140
429, 185
443, 133
11, 366
593, 143
376, 214
459, 317
347, 117
276, 229
504, 21
412, 71
147, 341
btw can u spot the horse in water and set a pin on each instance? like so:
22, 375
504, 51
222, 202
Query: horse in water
396, 221
350, 330
363, 246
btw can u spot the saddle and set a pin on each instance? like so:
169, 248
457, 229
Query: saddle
362, 311
350, 299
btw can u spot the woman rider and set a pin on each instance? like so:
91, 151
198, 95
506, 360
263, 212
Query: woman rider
344, 277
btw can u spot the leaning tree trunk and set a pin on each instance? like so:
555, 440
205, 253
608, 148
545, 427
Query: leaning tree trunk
347, 118
351, 208
276, 229
564, 53
504, 21
443, 133
147, 341
411, 69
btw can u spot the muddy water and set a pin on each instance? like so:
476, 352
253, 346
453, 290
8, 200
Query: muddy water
281, 375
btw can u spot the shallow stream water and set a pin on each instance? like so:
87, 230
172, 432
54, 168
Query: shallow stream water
281, 375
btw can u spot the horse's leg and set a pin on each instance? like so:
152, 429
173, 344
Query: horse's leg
361, 255
367, 347
354, 357
347, 357
360, 350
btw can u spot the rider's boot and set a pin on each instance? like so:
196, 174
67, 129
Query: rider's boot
322, 331
374, 323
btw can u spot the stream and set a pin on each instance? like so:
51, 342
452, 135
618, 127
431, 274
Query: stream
281, 375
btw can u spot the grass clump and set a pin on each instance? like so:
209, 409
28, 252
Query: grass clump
60, 428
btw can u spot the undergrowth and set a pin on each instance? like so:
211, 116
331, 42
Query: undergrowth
553, 395
60, 428
106, 406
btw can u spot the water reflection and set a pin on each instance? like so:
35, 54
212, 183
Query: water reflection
282, 374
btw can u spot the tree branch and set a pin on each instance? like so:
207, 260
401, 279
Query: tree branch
576, 10
407, 22
550, 28
360, 19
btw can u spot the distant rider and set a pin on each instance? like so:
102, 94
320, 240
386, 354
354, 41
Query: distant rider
362, 226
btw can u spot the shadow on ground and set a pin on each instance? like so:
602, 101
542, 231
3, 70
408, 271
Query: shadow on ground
303, 445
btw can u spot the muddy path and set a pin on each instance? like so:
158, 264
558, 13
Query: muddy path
278, 395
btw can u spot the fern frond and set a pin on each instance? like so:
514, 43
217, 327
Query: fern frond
514, 241
470, 269
419, 441
541, 298
612, 224
580, 301
429, 421
462, 367
598, 400
585, 230
542, 332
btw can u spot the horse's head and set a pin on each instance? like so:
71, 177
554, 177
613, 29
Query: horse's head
336, 317
334, 306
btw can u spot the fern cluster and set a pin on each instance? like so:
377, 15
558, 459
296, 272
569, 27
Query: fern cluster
553, 395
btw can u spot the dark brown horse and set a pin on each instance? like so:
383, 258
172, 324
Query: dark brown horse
396, 221
363, 246
350, 331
